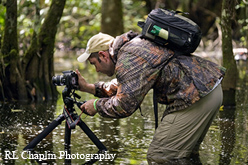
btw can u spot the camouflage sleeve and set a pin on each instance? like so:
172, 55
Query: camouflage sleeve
107, 89
132, 88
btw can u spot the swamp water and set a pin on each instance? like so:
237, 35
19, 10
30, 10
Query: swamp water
127, 140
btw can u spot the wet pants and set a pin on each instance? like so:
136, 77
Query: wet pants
180, 133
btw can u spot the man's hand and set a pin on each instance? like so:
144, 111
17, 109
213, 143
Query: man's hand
81, 81
83, 85
88, 107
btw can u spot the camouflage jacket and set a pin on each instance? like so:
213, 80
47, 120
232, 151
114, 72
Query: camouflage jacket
142, 65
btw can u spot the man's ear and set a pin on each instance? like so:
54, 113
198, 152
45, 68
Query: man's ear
104, 55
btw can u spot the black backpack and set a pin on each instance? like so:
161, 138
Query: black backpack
170, 29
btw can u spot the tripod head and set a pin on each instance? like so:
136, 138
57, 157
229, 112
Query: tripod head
69, 79
69, 98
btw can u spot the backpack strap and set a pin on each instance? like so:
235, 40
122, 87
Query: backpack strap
141, 24
155, 108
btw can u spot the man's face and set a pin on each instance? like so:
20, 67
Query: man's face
103, 63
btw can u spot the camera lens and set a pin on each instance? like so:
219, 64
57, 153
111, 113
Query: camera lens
58, 80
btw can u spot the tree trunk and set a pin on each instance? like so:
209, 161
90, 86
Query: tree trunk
229, 82
12, 80
204, 13
112, 17
33, 76
38, 61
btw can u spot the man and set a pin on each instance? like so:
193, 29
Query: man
188, 85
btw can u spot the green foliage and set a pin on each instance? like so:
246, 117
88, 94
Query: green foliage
2, 22
134, 11
27, 20
243, 21
2, 16
80, 21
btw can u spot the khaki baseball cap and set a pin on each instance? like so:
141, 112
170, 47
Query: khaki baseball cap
98, 42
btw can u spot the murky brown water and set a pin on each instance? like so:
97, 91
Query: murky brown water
126, 139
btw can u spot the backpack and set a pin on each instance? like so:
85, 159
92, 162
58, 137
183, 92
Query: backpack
170, 29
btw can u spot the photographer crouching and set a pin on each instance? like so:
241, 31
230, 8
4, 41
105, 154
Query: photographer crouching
189, 85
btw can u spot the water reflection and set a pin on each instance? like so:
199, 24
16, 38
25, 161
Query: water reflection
129, 138
227, 129
20, 123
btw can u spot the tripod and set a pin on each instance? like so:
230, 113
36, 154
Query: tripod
72, 119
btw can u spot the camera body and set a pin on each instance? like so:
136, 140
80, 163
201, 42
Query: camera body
69, 79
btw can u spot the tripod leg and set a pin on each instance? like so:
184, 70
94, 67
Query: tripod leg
67, 143
94, 139
45, 132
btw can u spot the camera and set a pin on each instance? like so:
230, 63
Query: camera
69, 79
